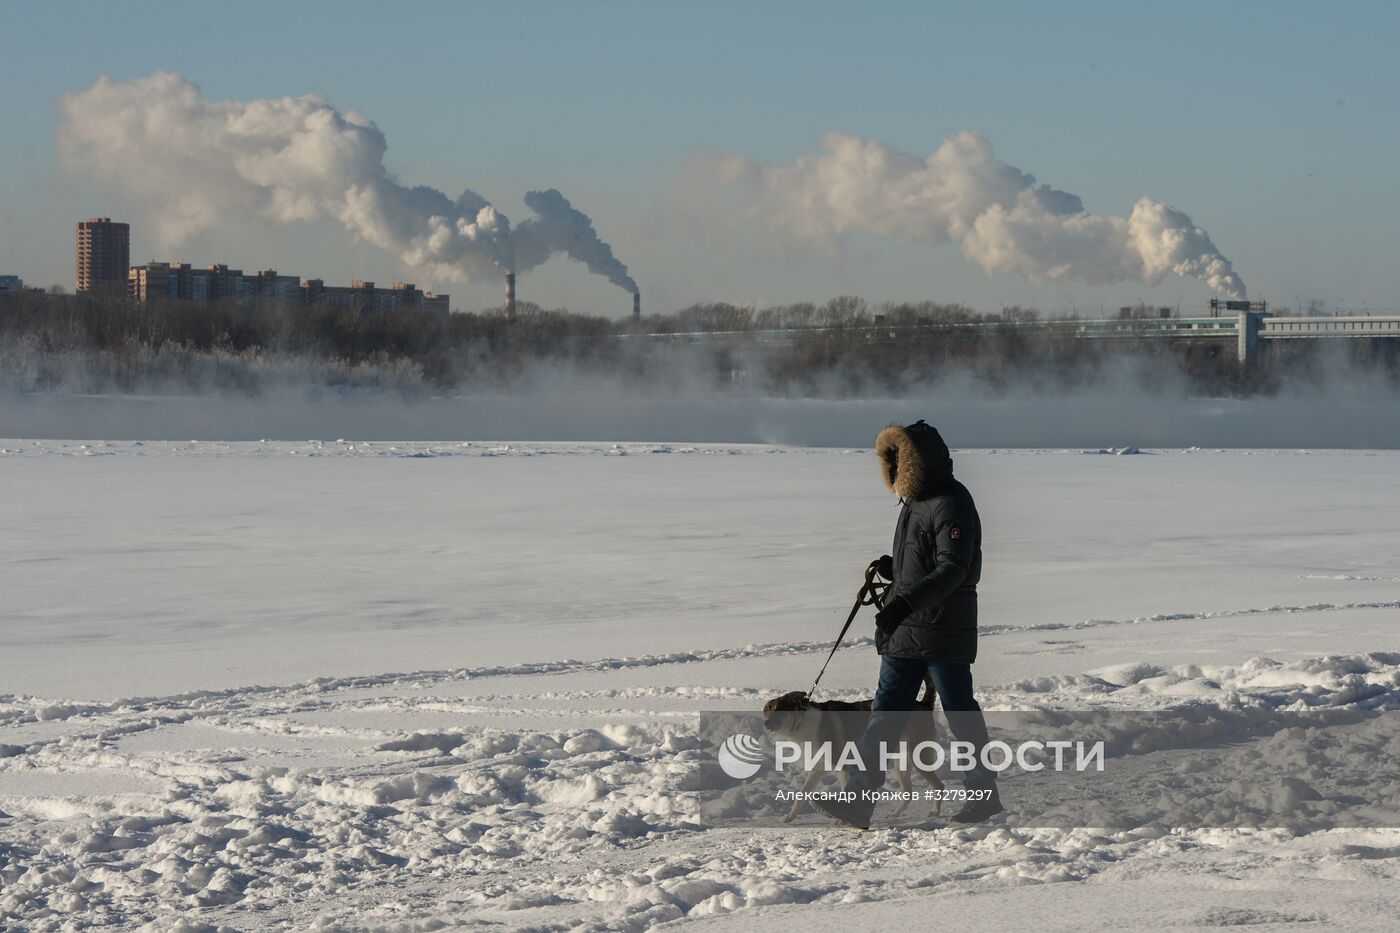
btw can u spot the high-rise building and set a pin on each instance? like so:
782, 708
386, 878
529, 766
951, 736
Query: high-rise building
104, 254
10, 283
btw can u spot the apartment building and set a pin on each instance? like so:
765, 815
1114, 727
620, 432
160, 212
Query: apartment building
103, 254
364, 296
181, 282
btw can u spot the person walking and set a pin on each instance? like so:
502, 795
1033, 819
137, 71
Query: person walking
927, 627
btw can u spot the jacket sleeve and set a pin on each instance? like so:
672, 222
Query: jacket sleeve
955, 545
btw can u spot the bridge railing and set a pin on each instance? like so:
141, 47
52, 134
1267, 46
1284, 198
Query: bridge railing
1285, 328
1106, 327
1265, 327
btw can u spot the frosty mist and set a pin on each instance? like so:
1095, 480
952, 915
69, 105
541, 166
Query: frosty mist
297, 159
997, 214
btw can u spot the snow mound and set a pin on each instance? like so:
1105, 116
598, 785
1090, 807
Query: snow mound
488, 807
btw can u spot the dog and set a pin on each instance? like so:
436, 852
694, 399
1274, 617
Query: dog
794, 717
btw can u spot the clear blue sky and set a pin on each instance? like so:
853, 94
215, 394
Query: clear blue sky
1274, 125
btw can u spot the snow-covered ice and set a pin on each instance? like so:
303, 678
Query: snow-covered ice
414, 686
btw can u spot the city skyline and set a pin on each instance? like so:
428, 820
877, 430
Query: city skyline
1281, 154
103, 266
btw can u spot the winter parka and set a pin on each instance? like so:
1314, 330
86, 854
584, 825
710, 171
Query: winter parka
937, 548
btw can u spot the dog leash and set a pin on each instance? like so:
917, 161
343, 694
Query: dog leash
871, 594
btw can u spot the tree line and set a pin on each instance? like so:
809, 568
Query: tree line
846, 346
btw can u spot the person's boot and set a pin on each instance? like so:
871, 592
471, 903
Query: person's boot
979, 811
855, 813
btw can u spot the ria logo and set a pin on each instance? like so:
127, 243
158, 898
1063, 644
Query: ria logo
741, 756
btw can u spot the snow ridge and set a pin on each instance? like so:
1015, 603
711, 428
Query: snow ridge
517, 820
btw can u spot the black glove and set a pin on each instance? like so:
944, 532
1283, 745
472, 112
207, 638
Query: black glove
885, 567
895, 612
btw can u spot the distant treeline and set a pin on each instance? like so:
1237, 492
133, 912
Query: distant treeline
67, 343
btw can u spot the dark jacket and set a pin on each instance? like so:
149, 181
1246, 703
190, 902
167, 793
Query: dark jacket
937, 548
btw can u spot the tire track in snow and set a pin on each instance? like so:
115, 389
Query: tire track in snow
1184, 617
310, 695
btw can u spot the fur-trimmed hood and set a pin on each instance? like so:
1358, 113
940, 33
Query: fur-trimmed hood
914, 461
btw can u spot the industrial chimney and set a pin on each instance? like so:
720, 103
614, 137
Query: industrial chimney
510, 292
636, 306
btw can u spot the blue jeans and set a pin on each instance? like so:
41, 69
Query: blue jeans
901, 679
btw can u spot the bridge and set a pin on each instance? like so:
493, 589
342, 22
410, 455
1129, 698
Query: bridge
1245, 329
1251, 328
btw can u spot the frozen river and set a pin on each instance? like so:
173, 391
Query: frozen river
414, 683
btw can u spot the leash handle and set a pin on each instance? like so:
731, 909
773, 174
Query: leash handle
871, 594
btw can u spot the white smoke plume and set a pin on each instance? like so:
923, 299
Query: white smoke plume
1002, 220
294, 159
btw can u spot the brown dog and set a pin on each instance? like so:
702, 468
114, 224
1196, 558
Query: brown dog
794, 717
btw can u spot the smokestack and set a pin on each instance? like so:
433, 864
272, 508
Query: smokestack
636, 306
510, 292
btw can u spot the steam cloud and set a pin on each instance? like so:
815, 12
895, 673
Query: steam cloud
560, 227
997, 214
298, 158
